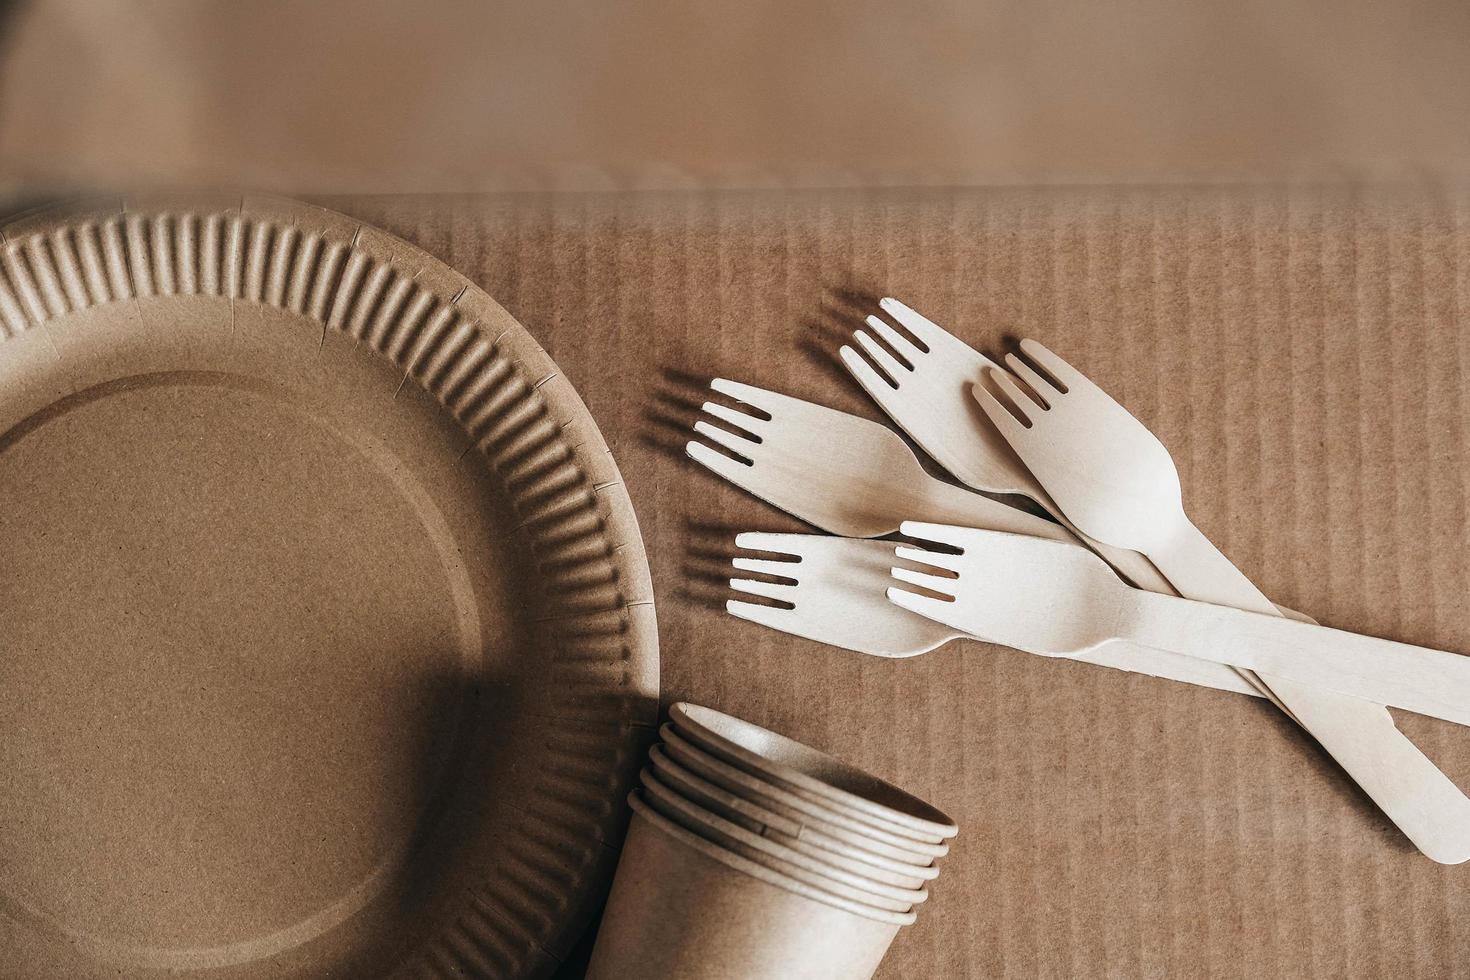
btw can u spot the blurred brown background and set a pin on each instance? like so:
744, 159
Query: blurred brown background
1182, 833
393, 96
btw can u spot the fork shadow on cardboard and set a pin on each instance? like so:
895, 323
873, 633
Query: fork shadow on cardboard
821, 338
676, 404
843, 312
708, 552
709, 555
672, 409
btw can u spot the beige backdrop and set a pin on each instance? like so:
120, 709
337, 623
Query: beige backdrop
332, 96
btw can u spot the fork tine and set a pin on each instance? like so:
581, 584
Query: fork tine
916, 323
731, 469
885, 360
769, 590
873, 382
939, 533
934, 583
1024, 403
934, 559
776, 544
767, 401
1001, 414
723, 437
1044, 389
1060, 369
747, 422
901, 344
783, 569
772, 616
1001, 417
933, 609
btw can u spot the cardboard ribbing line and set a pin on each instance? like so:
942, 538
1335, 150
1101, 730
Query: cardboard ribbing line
593, 601
1303, 353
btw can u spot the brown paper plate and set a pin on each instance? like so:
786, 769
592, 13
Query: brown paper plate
329, 644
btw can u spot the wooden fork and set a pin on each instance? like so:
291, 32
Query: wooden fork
929, 398
1112, 477
1045, 598
836, 587
841, 473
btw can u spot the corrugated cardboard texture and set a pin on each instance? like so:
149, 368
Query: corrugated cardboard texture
341, 96
1306, 358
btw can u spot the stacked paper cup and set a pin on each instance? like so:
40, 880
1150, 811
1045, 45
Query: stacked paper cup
751, 855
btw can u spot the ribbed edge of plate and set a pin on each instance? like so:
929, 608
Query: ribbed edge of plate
519, 413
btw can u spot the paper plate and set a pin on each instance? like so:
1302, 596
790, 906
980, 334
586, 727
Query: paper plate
328, 643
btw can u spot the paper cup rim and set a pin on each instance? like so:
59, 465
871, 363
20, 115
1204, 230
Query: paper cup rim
730, 834
844, 784
730, 859
662, 762
847, 821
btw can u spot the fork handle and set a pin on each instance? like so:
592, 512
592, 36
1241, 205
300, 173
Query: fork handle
1192, 557
1141, 572
1136, 569
1406, 785
1432, 682
1199, 570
